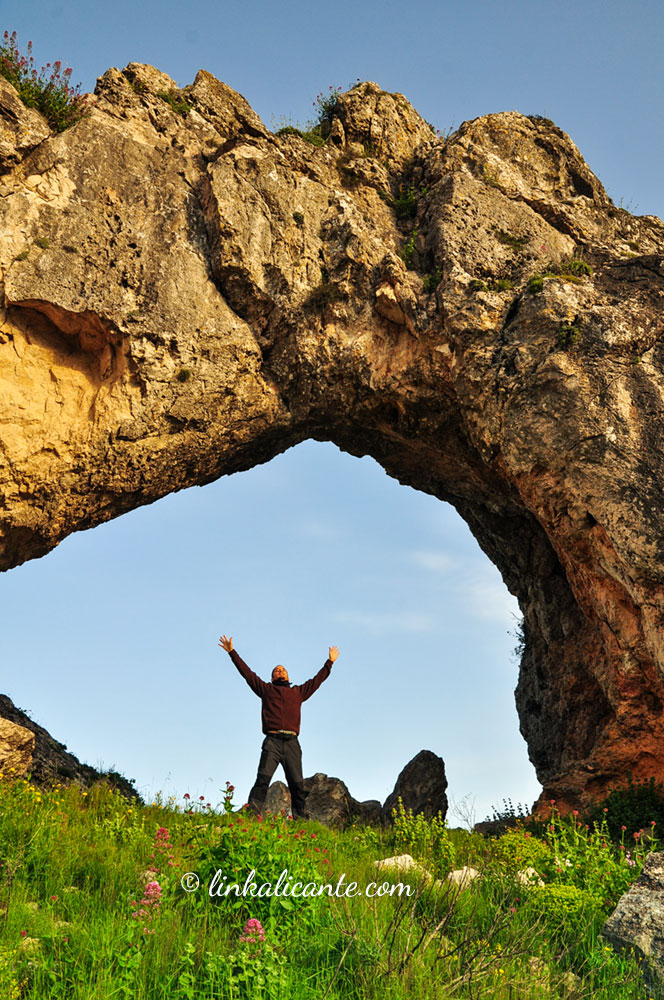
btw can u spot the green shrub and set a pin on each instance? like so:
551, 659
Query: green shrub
289, 130
326, 105
517, 849
567, 909
50, 91
637, 806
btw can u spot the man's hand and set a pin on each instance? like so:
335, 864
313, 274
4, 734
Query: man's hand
226, 643
334, 652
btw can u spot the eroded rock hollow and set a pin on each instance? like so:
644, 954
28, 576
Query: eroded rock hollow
186, 294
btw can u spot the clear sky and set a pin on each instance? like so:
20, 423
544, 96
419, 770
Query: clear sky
110, 642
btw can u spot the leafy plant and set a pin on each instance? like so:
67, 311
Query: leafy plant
408, 251
326, 105
425, 838
49, 91
431, 281
507, 812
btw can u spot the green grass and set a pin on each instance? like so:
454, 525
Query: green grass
571, 269
176, 102
75, 866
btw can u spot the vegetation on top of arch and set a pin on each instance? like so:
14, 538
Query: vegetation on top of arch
50, 91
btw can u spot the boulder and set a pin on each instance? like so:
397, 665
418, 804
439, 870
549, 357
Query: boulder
328, 800
638, 920
421, 786
278, 799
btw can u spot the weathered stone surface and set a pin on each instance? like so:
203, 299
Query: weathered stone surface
17, 745
21, 128
30, 749
278, 799
187, 295
420, 786
638, 920
328, 800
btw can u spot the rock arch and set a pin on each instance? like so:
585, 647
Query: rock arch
186, 295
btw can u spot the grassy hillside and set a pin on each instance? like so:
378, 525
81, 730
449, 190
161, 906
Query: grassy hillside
92, 905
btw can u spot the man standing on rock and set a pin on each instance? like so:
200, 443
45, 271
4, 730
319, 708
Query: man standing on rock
280, 717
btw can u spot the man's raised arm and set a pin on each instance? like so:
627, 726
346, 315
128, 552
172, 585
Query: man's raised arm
308, 688
253, 680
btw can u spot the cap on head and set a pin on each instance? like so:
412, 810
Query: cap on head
279, 673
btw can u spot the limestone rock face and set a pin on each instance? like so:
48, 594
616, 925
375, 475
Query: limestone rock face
17, 746
26, 748
186, 295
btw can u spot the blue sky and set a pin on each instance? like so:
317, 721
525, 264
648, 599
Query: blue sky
110, 642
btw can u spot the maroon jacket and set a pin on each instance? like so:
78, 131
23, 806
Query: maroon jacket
281, 702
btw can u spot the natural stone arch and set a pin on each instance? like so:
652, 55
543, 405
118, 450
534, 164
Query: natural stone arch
185, 297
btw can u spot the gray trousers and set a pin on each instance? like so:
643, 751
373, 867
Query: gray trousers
284, 750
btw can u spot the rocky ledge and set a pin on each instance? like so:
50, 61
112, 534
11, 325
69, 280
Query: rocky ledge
186, 294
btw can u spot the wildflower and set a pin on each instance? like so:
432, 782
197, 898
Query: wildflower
186, 795
202, 798
24, 933
253, 932
575, 812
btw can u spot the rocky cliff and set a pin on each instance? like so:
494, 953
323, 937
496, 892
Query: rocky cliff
186, 295
28, 751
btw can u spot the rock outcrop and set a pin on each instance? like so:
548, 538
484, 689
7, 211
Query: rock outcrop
27, 750
637, 923
421, 786
328, 802
186, 295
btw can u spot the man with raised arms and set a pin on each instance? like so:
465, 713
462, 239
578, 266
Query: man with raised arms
280, 716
